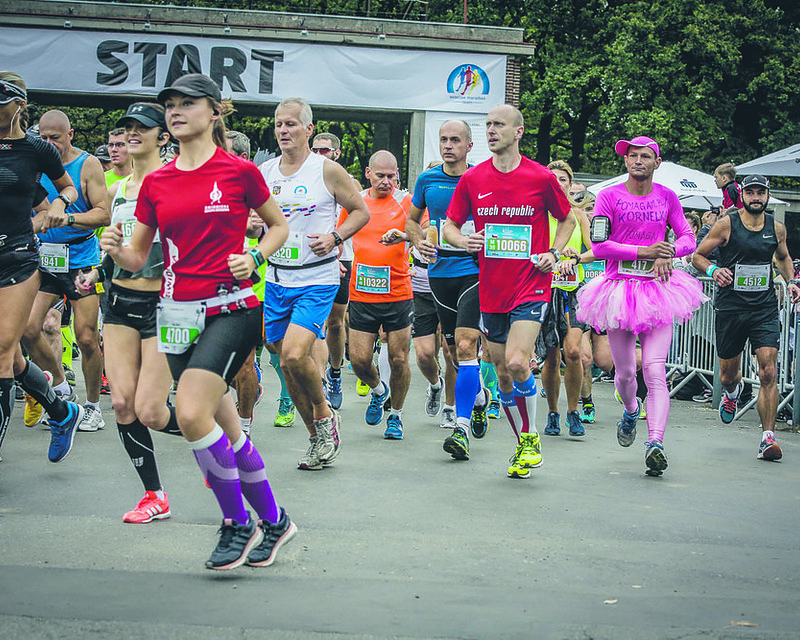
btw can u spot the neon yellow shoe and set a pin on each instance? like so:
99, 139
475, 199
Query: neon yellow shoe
531, 455
516, 470
33, 411
643, 414
285, 417
362, 388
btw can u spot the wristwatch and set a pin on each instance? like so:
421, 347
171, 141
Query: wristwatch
556, 253
70, 220
337, 239
65, 200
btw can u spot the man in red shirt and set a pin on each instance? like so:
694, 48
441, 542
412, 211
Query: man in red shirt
380, 292
509, 197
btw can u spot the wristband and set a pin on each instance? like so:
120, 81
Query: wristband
337, 239
101, 274
577, 259
711, 269
258, 257
556, 253
67, 202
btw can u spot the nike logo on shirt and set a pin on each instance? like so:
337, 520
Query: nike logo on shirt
764, 236
481, 196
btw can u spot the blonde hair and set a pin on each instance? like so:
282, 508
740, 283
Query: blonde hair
560, 165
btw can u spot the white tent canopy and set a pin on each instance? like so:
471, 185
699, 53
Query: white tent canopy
695, 189
785, 162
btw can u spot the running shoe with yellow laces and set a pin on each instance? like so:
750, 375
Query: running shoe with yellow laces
531, 455
285, 417
516, 470
150, 508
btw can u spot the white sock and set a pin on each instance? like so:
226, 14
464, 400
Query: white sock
380, 389
736, 392
62, 388
384, 369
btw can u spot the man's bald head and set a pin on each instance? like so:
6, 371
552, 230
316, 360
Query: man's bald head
459, 126
54, 127
514, 116
383, 159
55, 119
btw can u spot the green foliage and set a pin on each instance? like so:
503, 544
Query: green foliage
713, 81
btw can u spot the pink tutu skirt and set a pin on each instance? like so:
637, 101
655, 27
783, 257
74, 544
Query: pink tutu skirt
637, 305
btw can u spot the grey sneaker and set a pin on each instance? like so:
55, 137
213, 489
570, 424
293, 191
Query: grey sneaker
329, 441
310, 460
92, 419
275, 536
448, 418
433, 399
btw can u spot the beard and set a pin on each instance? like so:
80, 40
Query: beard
756, 208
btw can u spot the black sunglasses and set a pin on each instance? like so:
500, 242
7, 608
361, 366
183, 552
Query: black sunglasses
11, 92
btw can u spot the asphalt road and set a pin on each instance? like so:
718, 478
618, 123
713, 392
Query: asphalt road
396, 540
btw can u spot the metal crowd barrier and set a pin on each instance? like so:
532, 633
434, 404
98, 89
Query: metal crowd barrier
694, 353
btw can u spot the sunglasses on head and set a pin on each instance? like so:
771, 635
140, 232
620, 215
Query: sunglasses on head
9, 92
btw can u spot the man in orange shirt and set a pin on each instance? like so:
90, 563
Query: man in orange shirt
380, 292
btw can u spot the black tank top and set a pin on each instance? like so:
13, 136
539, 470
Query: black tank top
748, 254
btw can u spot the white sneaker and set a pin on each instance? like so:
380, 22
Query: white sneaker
433, 400
92, 419
448, 418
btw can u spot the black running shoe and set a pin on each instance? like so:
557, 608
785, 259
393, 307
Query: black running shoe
275, 536
479, 422
236, 541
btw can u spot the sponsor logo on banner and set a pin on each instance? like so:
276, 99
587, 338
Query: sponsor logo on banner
468, 83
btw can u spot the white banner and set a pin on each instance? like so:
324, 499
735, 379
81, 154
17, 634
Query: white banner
256, 71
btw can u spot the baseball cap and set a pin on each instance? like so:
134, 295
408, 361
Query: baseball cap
193, 84
755, 181
102, 153
639, 141
144, 114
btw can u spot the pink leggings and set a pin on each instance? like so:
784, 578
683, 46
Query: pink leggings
655, 347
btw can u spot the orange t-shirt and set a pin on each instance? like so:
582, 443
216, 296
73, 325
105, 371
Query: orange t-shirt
381, 273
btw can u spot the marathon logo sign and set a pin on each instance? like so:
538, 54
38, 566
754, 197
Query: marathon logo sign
255, 71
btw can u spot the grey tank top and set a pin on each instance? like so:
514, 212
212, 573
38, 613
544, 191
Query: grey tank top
123, 210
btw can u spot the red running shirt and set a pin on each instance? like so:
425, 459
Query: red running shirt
202, 217
515, 206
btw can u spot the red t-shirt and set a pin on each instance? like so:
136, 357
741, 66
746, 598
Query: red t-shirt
515, 206
202, 218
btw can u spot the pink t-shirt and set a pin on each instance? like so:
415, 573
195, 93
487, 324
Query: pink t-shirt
639, 221
202, 217
516, 206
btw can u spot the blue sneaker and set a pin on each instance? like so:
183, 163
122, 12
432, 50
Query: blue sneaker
258, 370
62, 434
334, 388
494, 410
374, 413
575, 427
626, 428
728, 406
394, 428
552, 428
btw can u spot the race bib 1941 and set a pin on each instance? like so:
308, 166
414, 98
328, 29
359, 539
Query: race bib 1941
54, 257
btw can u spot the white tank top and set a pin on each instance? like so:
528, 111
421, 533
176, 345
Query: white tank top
309, 208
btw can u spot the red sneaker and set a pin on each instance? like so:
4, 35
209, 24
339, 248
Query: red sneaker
104, 388
150, 508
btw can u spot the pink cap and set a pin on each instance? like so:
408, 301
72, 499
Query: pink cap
639, 141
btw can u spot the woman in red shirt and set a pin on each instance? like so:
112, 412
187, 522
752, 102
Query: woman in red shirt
208, 318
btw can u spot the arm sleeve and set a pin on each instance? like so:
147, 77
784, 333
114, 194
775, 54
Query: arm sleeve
610, 249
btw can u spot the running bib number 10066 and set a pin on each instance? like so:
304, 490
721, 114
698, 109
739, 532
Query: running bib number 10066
511, 241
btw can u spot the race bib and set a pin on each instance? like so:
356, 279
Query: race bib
751, 277
289, 254
179, 325
637, 268
510, 241
467, 229
596, 268
562, 279
54, 257
373, 279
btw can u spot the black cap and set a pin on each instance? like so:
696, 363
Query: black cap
144, 114
193, 84
102, 153
755, 181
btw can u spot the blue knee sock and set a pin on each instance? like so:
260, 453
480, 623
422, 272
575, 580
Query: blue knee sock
468, 382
